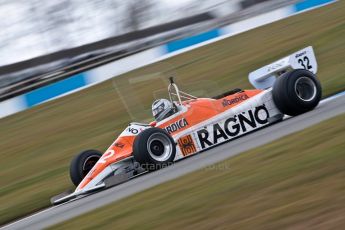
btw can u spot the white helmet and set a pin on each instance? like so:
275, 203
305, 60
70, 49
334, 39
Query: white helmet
162, 108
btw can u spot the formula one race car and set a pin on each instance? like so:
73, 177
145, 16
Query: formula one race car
286, 87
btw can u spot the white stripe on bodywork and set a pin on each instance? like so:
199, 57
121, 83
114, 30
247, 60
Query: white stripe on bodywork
264, 97
95, 181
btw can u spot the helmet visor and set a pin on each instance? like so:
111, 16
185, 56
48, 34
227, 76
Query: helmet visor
156, 111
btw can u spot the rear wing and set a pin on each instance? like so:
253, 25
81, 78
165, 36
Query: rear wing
265, 77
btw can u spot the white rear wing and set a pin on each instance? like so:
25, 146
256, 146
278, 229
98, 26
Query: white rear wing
265, 77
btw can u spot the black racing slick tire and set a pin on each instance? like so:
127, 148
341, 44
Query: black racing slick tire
82, 164
154, 148
296, 92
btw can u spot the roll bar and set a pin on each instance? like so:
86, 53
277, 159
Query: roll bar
174, 91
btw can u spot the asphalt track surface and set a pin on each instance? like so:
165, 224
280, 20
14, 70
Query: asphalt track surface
328, 108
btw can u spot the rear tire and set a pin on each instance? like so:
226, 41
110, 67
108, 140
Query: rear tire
154, 148
296, 92
82, 164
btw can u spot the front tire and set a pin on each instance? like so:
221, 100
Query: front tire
296, 92
82, 164
154, 148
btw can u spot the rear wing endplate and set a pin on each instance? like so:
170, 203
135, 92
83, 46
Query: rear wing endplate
265, 77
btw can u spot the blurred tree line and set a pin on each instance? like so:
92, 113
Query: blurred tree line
31, 28
41, 26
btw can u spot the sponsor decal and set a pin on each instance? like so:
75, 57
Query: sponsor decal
232, 126
119, 145
133, 130
176, 126
300, 54
227, 102
187, 145
275, 66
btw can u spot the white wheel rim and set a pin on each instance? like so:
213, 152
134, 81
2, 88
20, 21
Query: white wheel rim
305, 89
159, 147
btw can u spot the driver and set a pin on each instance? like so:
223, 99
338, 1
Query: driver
162, 108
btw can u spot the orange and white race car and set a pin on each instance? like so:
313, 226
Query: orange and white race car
286, 87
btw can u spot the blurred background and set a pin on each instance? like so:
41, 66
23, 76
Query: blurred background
40, 37
42, 27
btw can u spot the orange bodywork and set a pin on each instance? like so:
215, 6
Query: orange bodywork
202, 109
120, 149
198, 110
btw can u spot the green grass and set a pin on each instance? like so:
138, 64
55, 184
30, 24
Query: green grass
38, 144
296, 182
